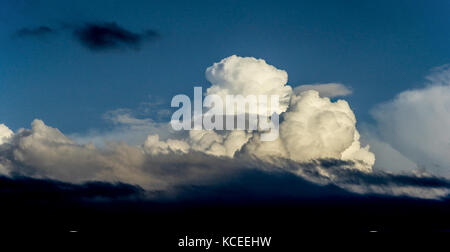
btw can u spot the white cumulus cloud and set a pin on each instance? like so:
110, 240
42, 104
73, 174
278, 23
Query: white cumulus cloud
5, 133
416, 123
315, 128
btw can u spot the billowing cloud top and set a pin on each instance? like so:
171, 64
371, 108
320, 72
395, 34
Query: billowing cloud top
248, 76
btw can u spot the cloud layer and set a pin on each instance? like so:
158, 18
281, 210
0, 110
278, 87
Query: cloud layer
45, 153
318, 141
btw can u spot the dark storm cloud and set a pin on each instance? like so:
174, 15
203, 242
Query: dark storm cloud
384, 182
244, 186
336, 168
256, 200
106, 36
16, 187
379, 178
34, 31
256, 186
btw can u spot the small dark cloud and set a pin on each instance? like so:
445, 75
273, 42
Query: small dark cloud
94, 36
107, 36
34, 31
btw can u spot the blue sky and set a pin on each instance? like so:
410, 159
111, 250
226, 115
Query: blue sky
96, 75
378, 48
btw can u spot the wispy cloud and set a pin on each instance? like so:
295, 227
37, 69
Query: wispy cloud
327, 89
37, 32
